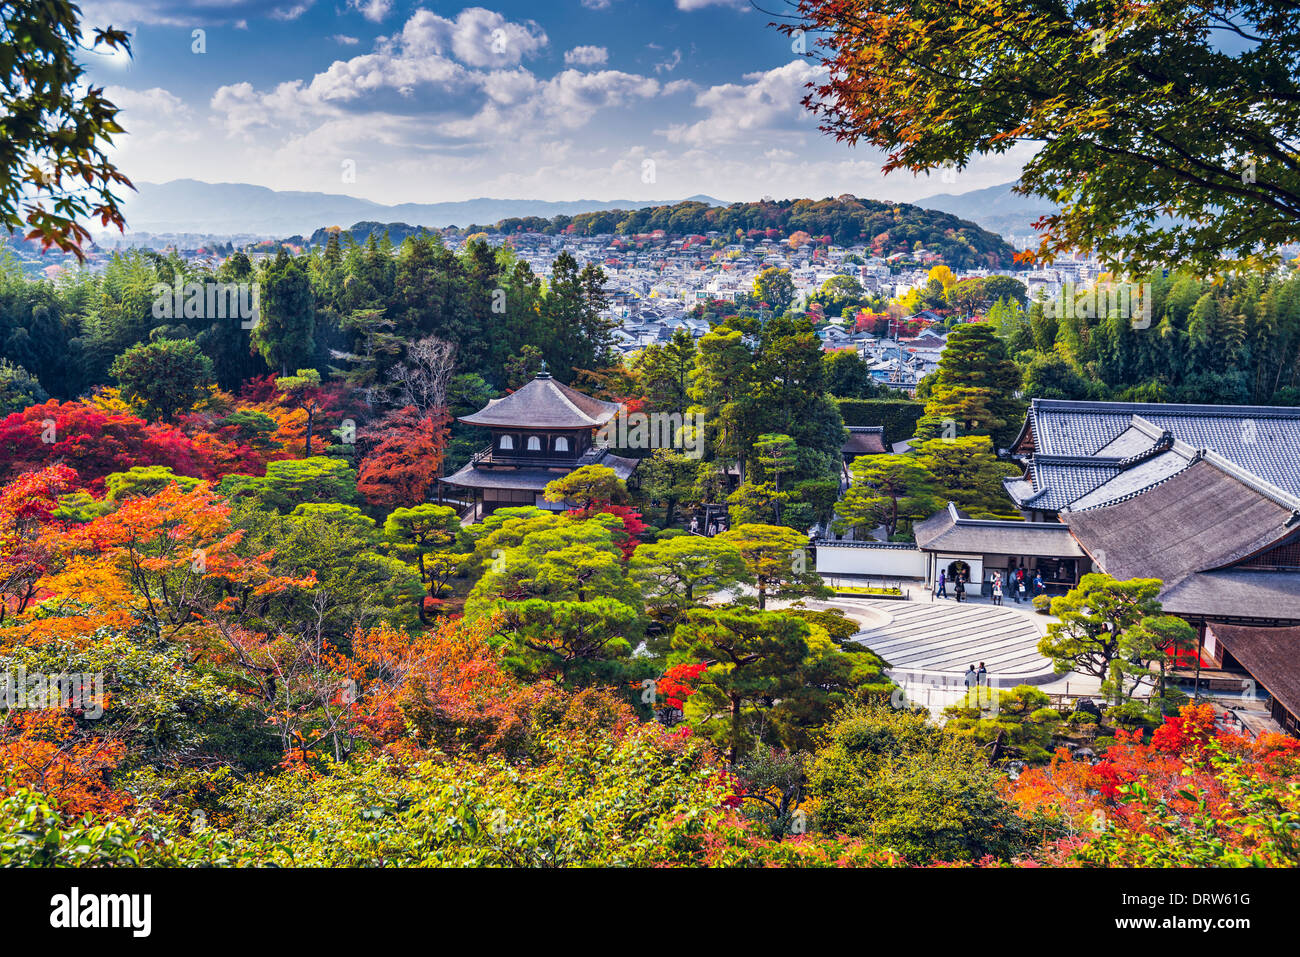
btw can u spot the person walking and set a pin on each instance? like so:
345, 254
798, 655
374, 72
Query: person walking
971, 679
1039, 587
942, 590
982, 676
997, 589
1020, 587
959, 590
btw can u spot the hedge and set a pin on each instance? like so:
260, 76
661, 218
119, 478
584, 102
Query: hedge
898, 416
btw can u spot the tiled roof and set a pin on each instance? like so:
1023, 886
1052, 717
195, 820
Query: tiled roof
1265, 441
950, 530
1205, 517
1270, 655
1236, 593
544, 404
864, 440
532, 479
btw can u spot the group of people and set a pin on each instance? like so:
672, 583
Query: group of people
977, 679
1020, 584
959, 579
713, 527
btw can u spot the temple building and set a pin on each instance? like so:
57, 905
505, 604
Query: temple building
1205, 498
1082, 455
540, 432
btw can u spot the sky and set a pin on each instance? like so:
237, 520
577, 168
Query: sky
397, 101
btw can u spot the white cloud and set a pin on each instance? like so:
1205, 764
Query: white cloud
374, 10
477, 37
586, 56
441, 109
345, 40
667, 66
154, 119
768, 102
186, 13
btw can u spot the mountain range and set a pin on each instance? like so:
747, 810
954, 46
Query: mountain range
239, 209
996, 209
188, 206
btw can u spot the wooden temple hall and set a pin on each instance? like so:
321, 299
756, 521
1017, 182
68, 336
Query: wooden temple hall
539, 433
1204, 498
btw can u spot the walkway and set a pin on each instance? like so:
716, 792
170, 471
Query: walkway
942, 639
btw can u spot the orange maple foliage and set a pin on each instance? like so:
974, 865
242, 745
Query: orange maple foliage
405, 459
42, 750
448, 690
168, 559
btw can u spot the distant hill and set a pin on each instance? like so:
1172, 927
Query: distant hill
961, 229
886, 228
191, 206
996, 208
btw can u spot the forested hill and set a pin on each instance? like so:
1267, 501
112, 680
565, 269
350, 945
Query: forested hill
887, 228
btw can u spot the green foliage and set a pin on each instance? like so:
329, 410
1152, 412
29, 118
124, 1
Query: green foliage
1017, 722
57, 128
293, 482
18, 388
895, 779
678, 573
777, 559
1115, 631
287, 321
774, 287
892, 491
587, 486
164, 378
142, 480
974, 389
898, 416
358, 585
967, 472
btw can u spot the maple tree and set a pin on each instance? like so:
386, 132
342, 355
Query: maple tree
1120, 128
27, 507
405, 457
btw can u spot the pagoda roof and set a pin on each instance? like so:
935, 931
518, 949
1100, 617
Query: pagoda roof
544, 404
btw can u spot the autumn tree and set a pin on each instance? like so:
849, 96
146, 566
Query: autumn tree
1120, 130
405, 457
57, 128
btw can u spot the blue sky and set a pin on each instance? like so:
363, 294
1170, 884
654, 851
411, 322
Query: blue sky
398, 101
